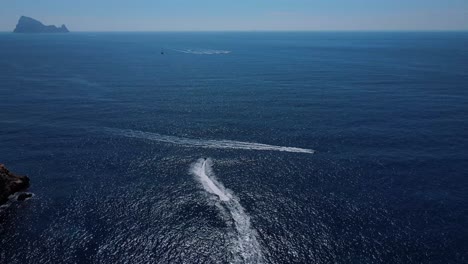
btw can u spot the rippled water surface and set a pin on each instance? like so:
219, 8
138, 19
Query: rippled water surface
236, 147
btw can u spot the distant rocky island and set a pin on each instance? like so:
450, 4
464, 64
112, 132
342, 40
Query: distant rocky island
11, 183
30, 25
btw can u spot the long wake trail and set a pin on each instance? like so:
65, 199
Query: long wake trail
246, 247
204, 143
202, 51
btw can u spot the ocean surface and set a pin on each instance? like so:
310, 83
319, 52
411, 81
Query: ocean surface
253, 147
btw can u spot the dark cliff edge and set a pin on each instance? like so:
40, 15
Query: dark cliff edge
30, 25
10, 183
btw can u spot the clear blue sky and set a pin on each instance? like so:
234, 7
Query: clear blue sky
154, 15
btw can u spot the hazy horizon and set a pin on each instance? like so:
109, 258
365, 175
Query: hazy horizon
257, 15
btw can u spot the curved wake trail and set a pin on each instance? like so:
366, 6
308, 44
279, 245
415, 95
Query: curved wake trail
246, 247
205, 143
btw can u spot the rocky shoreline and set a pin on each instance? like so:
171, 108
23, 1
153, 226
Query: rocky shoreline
11, 183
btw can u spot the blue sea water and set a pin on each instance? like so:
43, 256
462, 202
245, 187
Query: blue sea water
250, 147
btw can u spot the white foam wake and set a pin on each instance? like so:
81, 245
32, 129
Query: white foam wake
246, 248
205, 143
202, 51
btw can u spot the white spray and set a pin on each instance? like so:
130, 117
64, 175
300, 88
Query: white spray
203, 51
246, 247
205, 143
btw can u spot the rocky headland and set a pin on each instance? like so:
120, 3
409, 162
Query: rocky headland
11, 183
30, 25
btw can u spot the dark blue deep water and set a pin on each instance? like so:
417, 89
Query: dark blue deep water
111, 133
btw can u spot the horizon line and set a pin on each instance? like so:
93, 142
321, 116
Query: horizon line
255, 30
